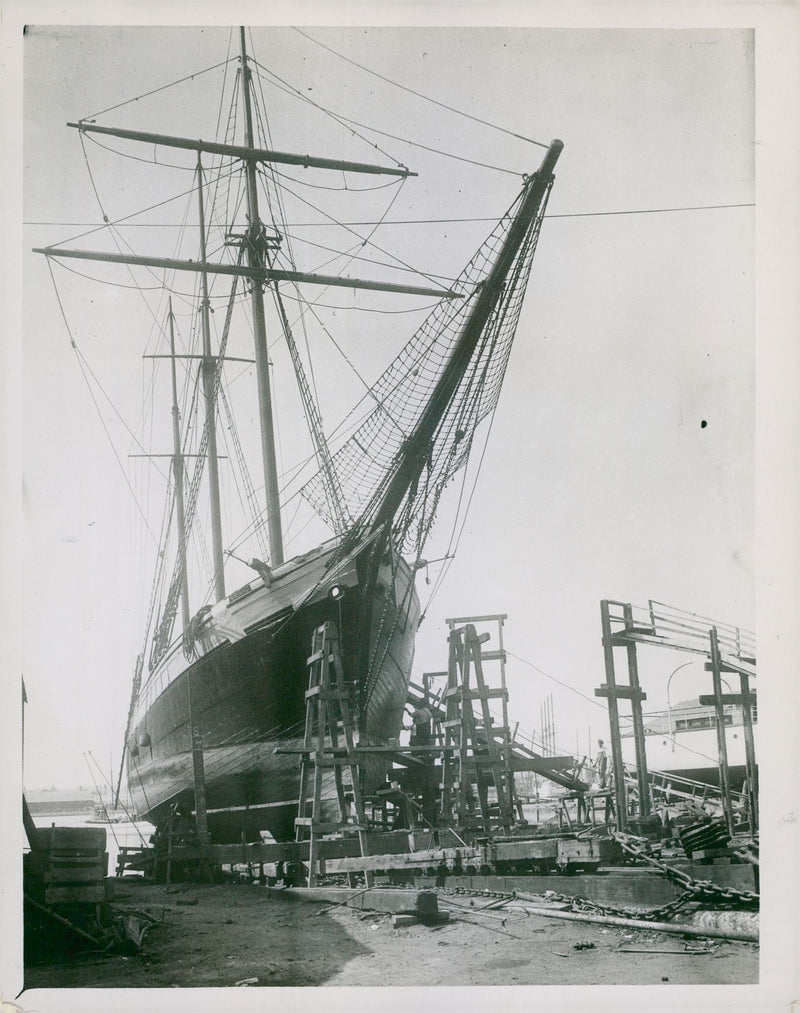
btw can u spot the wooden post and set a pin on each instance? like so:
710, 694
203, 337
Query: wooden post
638, 721
722, 748
327, 707
201, 817
613, 719
750, 752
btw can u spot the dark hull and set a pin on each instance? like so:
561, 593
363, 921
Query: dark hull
247, 698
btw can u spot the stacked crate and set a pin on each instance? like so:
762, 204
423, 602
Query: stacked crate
68, 865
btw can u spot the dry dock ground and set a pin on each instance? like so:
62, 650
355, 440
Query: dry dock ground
225, 935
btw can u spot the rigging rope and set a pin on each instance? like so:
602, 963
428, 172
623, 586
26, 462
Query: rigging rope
154, 91
367, 461
163, 634
287, 88
427, 98
80, 361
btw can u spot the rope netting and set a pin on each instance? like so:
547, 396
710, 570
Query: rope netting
368, 460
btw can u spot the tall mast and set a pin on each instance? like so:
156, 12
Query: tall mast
209, 370
255, 251
177, 474
414, 454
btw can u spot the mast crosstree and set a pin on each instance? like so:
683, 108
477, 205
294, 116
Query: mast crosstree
259, 271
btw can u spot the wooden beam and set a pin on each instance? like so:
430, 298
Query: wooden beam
239, 151
254, 273
621, 692
709, 700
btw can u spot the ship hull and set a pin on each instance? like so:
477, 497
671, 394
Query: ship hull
245, 696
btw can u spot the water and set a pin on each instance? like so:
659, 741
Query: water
118, 835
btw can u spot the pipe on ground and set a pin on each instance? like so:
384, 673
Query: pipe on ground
676, 928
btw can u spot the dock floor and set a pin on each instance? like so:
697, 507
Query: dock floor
222, 935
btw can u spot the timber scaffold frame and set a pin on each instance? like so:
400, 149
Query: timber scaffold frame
727, 649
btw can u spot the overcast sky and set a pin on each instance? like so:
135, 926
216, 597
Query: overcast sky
620, 464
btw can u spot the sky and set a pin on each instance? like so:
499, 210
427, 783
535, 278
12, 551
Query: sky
621, 459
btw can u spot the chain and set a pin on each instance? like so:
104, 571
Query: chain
694, 890
700, 889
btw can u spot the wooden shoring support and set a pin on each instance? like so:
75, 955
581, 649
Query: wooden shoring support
450, 804
745, 699
643, 783
751, 767
470, 772
613, 693
483, 756
328, 745
499, 753
722, 747
457, 802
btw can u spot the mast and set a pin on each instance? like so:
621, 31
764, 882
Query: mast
255, 253
414, 453
177, 472
209, 370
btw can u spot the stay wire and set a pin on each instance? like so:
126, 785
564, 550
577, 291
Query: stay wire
434, 151
137, 158
154, 91
134, 214
444, 279
266, 129
97, 406
361, 309
547, 675
341, 120
360, 238
426, 98
415, 221
348, 123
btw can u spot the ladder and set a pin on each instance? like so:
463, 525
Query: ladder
328, 745
480, 756
685, 789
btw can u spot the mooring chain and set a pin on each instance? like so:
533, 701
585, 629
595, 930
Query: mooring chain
694, 890
699, 888
578, 903
658, 914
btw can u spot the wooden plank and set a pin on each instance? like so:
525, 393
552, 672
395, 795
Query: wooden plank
94, 893
493, 655
708, 699
709, 853
475, 694
71, 839
462, 620
509, 851
89, 874
621, 692
412, 860
540, 766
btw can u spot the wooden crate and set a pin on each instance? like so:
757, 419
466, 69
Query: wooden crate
76, 893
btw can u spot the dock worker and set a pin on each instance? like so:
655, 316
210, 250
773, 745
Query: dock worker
421, 720
601, 766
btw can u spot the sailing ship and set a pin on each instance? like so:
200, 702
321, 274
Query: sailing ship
217, 698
